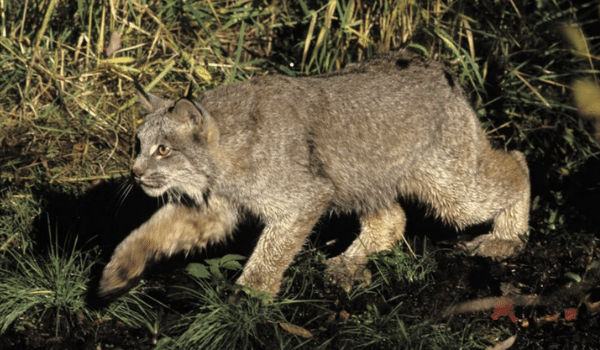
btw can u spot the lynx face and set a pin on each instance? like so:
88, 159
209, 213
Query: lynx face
173, 157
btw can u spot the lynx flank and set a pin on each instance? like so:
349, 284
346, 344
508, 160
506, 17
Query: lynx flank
290, 150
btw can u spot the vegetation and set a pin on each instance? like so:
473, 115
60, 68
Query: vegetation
67, 118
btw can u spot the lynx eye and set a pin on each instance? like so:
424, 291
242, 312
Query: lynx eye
163, 150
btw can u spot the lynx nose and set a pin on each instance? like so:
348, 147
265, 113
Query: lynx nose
137, 173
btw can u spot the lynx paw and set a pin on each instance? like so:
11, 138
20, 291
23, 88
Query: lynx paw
489, 246
346, 274
259, 285
119, 276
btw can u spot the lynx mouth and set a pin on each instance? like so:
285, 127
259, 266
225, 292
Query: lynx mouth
147, 182
152, 189
149, 185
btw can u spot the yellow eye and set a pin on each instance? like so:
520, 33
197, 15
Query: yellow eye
163, 150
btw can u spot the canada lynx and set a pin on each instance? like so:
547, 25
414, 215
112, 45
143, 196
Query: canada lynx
291, 149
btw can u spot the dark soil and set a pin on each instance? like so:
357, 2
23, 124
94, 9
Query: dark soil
540, 270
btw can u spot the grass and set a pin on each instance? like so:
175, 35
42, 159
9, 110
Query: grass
224, 317
44, 290
221, 324
48, 291
68, 115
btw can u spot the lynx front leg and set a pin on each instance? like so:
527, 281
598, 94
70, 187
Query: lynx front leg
379, 231
277, 246
172, 229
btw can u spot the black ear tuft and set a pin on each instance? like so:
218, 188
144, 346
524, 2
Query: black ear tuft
189, 93
150, 102
138, 87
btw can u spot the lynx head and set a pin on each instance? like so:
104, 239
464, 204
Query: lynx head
174, 149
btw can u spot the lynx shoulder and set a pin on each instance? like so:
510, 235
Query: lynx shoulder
291, 149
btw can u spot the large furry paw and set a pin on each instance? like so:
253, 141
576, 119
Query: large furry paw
120, 275
345, 274
259, 285
489, 246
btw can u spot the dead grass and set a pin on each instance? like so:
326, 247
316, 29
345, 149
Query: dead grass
69, 111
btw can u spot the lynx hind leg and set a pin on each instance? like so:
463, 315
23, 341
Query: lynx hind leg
379, 231
172, 229
510, 175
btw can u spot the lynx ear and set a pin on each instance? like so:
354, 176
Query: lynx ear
150, 102
196, 120
186, 111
